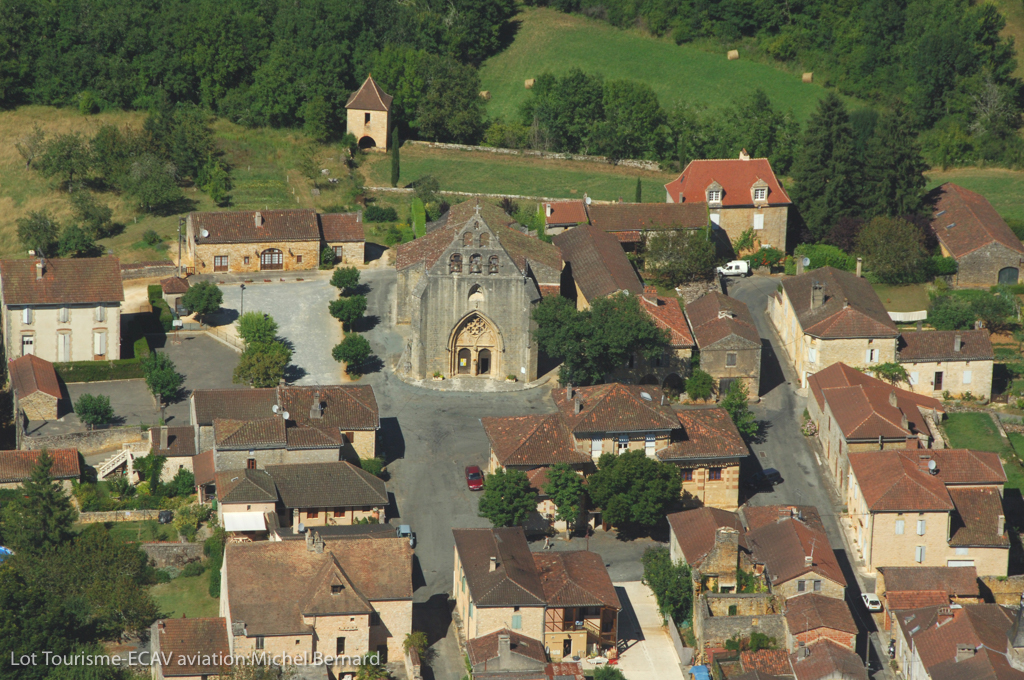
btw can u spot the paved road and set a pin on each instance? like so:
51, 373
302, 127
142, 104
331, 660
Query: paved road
649, 654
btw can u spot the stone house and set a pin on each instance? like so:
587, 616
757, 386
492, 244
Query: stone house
928, 508
634, 223
562, 215
328, 494
708, 449
693, 533
62, 309
369, 116
719, 617
246, 499
467, 290
594, 266
566, 598
948, 361
814, 617
177, 445
740, 194
343, 234
757, 516
172, 290
504, 655
914, 587
797, 559
36, 387
189, 649
853, 411
530, 442
764, 664
825, 659
673, 366
969, 229
16, 467
729, 344
344, 598
828, 316
544, 519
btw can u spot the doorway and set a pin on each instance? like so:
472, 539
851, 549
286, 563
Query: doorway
484, 362
1008, 276
465, 357
937, 384
272, 258
567, 648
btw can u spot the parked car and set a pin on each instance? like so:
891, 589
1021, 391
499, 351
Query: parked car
405, 531
735, 268
474, 478
872, 602
766, 477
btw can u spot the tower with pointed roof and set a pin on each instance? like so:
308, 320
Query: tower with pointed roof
369, 115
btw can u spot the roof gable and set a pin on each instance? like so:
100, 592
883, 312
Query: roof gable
254, 226
514, 580
705, 432
812, 611
599, 265
784, 547
30, 374
532, 440
615, 407
342, 227
332, 592
735, 176
565, 212
695, 530
965, 221
327, 485
715, 316
851, 308
575, 578
246, 486
72, 281
667, 315
369, 97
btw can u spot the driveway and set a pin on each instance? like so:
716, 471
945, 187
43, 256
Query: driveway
649, 654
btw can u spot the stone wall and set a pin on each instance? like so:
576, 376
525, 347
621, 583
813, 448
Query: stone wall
147, 270
95, 441
628, 163
297, 256
713, 631
118, 516
49, 333
165, 554
791, 588
38, 406
376, 128
352, 252
922, 376
735, 221
981, 267
1004, 590
714, 360
722, 493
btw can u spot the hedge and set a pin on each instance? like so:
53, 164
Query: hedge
822, 255
156, 298
375, 213
141, 348
97, 371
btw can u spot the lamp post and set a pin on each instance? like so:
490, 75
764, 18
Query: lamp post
241, 297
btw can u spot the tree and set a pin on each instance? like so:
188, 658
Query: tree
65, 157
676, 257
754, 124
74, 242
38, 231
632, 489
94, 410
396, 170
39, 519
372, 669
183, 484
203, 298
94, 217
450, 109
735, 402
316, 119
508, 500
671, 583
190, 140
893, 250
699, 385
894, 167
639, 191
891, 372
162, 376
262, 364
844, 233
565, 489
354, 350
561, 111
632, 116
348, 310
150, 182
31, 145
256, 327
309, 163
214, 180
826, 170
345, 279
608, 673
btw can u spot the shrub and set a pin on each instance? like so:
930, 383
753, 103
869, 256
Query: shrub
141, 348
187, 520
766, 257
152, 239
94, 409
937, 265
822, 255
256, 327
98, 371
354, 350
374, 466
375, 213
699, 384
193, 569
326, 258
671, 583
213, 548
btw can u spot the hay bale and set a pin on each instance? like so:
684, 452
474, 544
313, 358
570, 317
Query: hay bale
808, 78
733, 54
529, 83
485, 95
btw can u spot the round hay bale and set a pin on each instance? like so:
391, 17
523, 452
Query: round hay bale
733, 54
529, 83
808, 78
485, 95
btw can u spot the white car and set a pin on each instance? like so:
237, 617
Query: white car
872, 602
735, 268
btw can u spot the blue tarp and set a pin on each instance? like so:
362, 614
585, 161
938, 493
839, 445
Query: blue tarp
700, 673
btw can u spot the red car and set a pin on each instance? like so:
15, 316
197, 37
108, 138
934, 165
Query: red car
474, 478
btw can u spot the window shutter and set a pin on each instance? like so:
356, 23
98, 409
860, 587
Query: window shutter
99, 344
914, 377
899, 527
99, 313
758, 221
967, 377
26, 315
517, 621
595, 445
63, 314
919, 553
920, 527
867, 357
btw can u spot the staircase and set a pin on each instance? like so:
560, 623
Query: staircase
128, 453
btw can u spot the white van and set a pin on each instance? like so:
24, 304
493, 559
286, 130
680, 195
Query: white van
735, 268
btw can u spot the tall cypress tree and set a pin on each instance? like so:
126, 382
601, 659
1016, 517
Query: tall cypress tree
395, 163
827, 169
894, 167
639, 191
41, 518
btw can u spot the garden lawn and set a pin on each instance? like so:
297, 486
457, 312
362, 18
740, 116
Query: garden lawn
1002, 188
188, 595
977, 431
910, 298
142, 532
551, 41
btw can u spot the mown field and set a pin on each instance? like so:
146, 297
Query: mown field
1003, 188
548, 40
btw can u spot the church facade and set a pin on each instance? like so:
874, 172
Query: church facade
467, 290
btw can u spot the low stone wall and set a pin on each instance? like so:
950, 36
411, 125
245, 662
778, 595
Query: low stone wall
626, 162
713, 631
165, 554
118, 516
95, 441
412, 665
1006, 591
147, 270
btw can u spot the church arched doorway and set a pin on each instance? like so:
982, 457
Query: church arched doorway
475, 347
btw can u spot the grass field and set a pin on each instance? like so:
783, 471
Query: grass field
1013, 12
1003, 188
977, 431
188, 595
142, 532
909, 298
552, 41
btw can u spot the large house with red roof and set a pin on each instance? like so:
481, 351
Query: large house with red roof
740, 194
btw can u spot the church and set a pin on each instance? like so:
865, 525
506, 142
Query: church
467, 290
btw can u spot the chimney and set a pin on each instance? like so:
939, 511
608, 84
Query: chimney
316, 411
39, 269
919, 324
964, 652
945, 615
803, 652
547, 209
892, 398
163, 438
957, 342
744, 156
577, 406
860, 265
161, 625
808, 560
309, 541
504, 652
318, 543
904, 423
651, 294
725, 314
913, 442
494, 564
1001, 525
817, 295
259, 219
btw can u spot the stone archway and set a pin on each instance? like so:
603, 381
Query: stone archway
367, 143
475, 348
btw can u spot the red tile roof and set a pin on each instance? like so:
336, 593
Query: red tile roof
637, 217
240, 226
695, 529
706, 432
537, 440
771, 661
514, 581
939, 346
965, 221
565, 212
956, 581
17, 466
598, 264
936, 631
484, 649
896, 600
233, 404
628, 236
575, 578
615, 407
174, 285
737, 177
667, 314
851, 307
181, 442
977, 518
715, 316
203, 468
342, 227
757, 516
72, 281
188, 645
369, 97
827, 660
811, 611
348, 407
783, 548
265, 433
30, 374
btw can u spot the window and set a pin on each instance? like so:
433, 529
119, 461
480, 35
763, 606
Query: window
919, 553
271, 258
245, 260
251, 464
340, 648
336, 589
899, 527
732, 610
339, 251
758, 222
817, 585
517, 622
339, 512
687, 475
595, 445
220, 263
64, 314
64, 347
760, 194
101, 313
714, 195
649, 444
623, 442
967, 377
27, 345
366, 119
467, 238
920, 527
259, 642
26, 315
463, 583
801, 586
455, 264
812, 355
871, 356
962, 552
476, 264
715, 474
914, 377
730, 358
298, 259
312, 514
374, 619
99, 343
471, 609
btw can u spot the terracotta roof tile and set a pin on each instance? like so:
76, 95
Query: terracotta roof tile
240, 226
826, 660
784, 546
246, 486
30, 374
757, 516
565, 212
369, 97
72, 281
957, 581
936, 631
706, 432
811, 611
203, 468
695, 529
298, 438
737, 177
629, 236
532, 440
327, 485
265, 433
851, 307
485, 648
986, 664
233, 404
939, 346
181, 442
575, 578
615, 407
975, 223
342, 227
17, 466
174, 285
759, 675
599, 265
772, 661
977, 518
628, 217
667, 314
514, 582
186, 643
348, 407
896, 600
714, 316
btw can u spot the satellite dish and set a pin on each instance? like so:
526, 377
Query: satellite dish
645, 396
807, 261
205, 233
586, 199
931, 465
274, 408
302, 527
285, 414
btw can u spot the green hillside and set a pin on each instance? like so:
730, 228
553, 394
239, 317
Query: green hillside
1003, 188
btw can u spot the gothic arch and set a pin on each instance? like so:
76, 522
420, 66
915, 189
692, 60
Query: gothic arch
476, 293
475, 347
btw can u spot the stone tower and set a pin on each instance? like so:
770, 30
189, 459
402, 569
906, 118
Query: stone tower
369, 116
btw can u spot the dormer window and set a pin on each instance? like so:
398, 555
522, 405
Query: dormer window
714, 195
760, 194
336, 589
